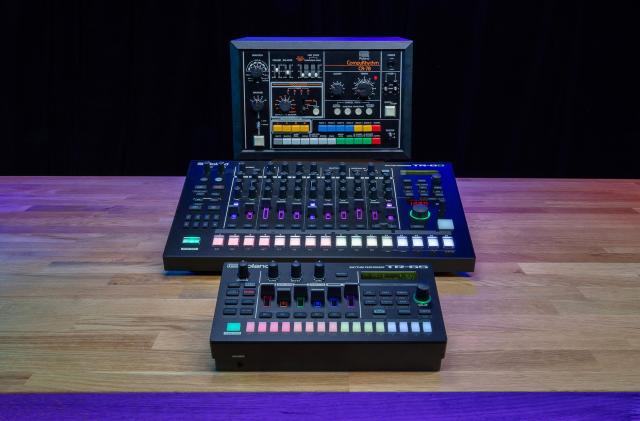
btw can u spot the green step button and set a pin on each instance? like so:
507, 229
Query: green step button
349, 141
191, 240
366, 140
233, 327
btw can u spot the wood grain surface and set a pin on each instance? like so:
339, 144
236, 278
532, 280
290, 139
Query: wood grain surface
554, 303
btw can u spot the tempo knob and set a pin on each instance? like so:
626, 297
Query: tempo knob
419, 211
422, 294
318, 270
243, 270
296, 270
273, 270
363, 88
336, 89
285, 105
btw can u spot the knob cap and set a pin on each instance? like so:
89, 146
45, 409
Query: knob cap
419, 211
422, 294
371, 168
336, 89
243, 270
257, 104
297, 193
237, 191
373, 193
284, 166
313, 168
273, 270
283, 192
285, 105
253, 192
364, 89
318, 270
343, 193
299, 167
357, 192
313, 192
328, 193
296, 270
267, 191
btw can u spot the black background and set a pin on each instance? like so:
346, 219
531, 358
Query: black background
539, 89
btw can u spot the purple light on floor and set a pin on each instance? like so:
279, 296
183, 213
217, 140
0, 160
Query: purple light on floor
296, 215
343, 214
249, 215
374, 215
265, 213
359, 214
327, 216
281, 214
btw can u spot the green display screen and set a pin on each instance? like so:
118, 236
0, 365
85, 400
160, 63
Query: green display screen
390, 275
418, 172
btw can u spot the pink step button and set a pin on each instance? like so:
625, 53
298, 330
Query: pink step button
297, 327
333, 327
218, 240
251, 327
273, 327
321, 327
286, 327
262, 327
308, 327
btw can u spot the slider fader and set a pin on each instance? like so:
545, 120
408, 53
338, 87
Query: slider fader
333, 316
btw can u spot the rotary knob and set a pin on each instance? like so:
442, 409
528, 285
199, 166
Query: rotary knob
363, 88
422, 294
273, 270
284, 104
296, 270
419, 211
257, 103
336, 89
243, 270
318, 270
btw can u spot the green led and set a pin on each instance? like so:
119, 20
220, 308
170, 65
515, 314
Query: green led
191, 240
300, 302
424, 218
421, 303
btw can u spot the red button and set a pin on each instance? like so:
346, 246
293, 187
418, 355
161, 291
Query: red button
376, 141
375, 128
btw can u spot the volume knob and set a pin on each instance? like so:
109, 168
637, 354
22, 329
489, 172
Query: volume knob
243, 270
296, 270
422, 294
318, 270
273, 270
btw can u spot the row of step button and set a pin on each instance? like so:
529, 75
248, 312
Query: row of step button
331, 327
340, 241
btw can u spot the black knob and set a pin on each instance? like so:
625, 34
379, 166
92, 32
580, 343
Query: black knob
342, 167
243, 270
388, 193
297, 193
373, 193
257, 104
327, 176
371, 168
336, 89
343, 193
356, 175
299, 167
313, 168
285, 105
328, 193
267, 191
237, 191
273, 270
422, 294
241, 166
253, 192
364, 89
357, 192
283, 192
284, 166
296, 270
313, 192
419, 211
318, 270
256, 72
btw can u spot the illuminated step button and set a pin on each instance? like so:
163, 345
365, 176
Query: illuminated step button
218, 241
264, 241
286, 327
356, 241
403, 327
310, 241
387, 242
447, 242
380, 327
273, 327
432, 242
391, 327
294, 241
356, 327
376, 128
297, 327
322, 128
320, 327
376, 141
358, 128
191, 240
262, 327
417, 242
445, 224
426, 327
325, 241
251, 327
368, 327
249, 241
344, 327
341, 241
372, 241
308, 327
402, 241
367, 128
279, 241
415, 327
234, 241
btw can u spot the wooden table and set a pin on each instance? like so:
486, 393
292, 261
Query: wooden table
85, 306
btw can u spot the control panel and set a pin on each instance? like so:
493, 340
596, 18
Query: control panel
327, 96
336, 211
334, 316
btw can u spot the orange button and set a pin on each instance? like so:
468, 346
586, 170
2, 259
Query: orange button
375, 128
285, 128
358, 128
367, 128
277, 128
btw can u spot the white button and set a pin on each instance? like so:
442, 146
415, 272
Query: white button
218, 240
404, 327
234, 240
344, 327
337, 111
432, 242
391, 327
389, 110
426, 327
279, 241
372, 241
355, 327
341, 241
310, 241
358, 111
325, 241
316, 111
415, 327
249, 241
369, 111
445, 224
380, 327
294, 241
417, 242
387, 242
258, 140
356, 241
447, 242
264, 241
347, 111
402, 241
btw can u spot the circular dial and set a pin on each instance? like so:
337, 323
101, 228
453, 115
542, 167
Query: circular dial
256, 69
363, 87
257, 103
422, 295
336, 89
284, 103
419, 211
